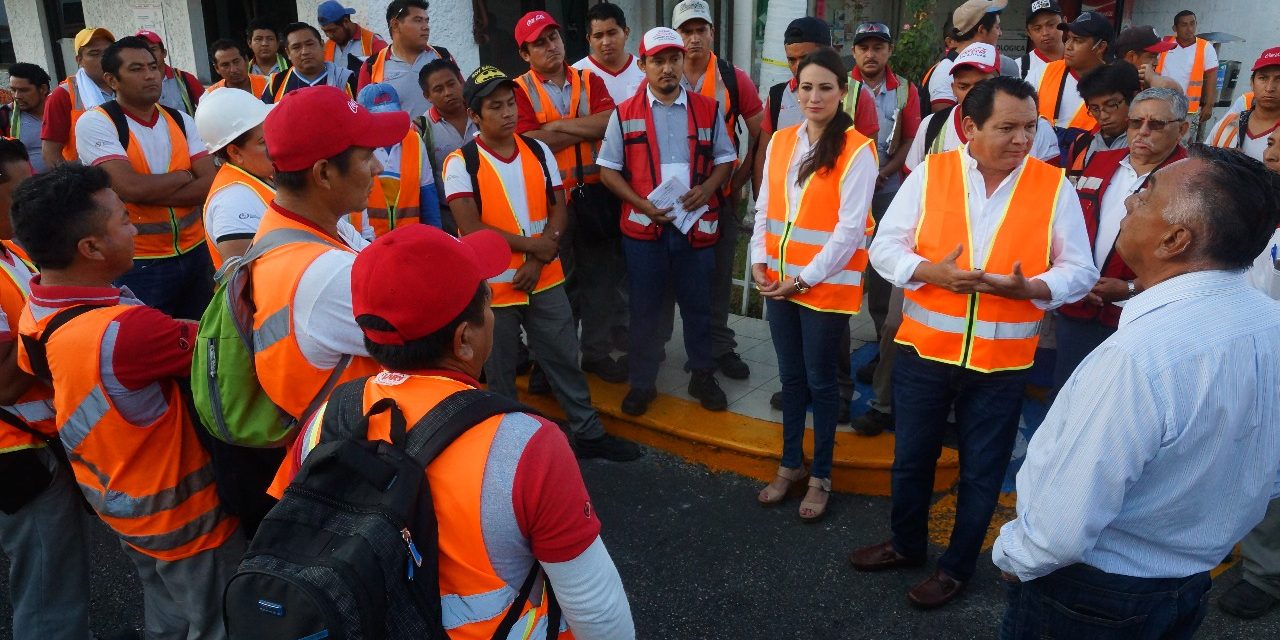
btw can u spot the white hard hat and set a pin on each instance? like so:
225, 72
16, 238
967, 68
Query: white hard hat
225, 114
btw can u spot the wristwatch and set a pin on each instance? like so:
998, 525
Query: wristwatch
1133, 289
801, 287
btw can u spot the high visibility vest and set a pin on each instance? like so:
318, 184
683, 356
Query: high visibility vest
1248, 100
1052, 85
378, 61
35, 406
792, 243
288, 378
257, 85
498, 213
476, 599
163, 232
366, 45
579, 107
715, 88
152, 483
1195, 84
403, 192
1227, 132
641, 161
979, 331
69, 152
228, 175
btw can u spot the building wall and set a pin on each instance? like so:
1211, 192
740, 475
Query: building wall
180, 24
451, 24
30, 39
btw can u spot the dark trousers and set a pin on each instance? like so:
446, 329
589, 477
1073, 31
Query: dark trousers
878, 289
1079, 602
593, 272
653, 266
180, 286
807, 367
1076, 340
722, 337
987, 406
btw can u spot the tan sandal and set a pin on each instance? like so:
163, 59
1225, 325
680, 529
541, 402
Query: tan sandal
819, 509
770, 496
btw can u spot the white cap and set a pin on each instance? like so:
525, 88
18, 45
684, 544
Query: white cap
226, 114
691, 10
980, 56
659, 38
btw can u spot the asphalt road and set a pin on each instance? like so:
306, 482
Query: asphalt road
702, 561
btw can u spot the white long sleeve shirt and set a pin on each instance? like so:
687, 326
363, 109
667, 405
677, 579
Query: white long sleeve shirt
1071, 273
857, 186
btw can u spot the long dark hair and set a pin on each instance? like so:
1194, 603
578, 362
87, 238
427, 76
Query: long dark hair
830, 145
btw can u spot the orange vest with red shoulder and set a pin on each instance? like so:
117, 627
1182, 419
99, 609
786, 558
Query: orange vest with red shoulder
152, 483
497, 212
1052, 85
792, 243
228, 175
163, 232
1195, 83
580, 96
366, 45
477, 597
979, 331
257, 84
288, 378
35, 406
641, 163
404, 204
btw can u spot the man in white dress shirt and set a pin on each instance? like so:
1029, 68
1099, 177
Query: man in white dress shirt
976, 284
1162, 450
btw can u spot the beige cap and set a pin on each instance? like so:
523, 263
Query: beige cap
691, 10
968, 15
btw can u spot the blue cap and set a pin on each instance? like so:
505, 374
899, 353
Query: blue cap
379, 97
330, 11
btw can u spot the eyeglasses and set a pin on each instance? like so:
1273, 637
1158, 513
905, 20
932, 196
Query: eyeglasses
1152, 123
1111, 106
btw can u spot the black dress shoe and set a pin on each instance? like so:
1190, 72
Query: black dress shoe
936, 590
775, 401
621, 338
703, 386
867, 371
538, 384
1243, 600
731, 365
879, 557
845, 413
872, 423
608, 447
606, 369
637, 401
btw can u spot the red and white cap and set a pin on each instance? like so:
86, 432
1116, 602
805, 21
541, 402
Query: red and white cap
660, 38
980, 56
532, 24
1269, 58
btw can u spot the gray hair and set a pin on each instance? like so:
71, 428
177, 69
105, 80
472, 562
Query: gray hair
1176, 100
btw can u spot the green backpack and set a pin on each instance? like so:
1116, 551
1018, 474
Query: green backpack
224, 383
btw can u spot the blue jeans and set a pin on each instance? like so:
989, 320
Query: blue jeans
180, 286
1079, 602
987, 407
1076, 340
808, 362
652, 267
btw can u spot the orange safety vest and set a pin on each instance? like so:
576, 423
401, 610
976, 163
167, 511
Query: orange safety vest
228, 175
1052, 84
1195, 84
499, 213
151, 483
1248, 100
163, 232
257, 84
288, 378
478, 598
35, 406
403, 190
366, 45
584, 153
979, 331
69, 152
792, 243
714, 87
378, 64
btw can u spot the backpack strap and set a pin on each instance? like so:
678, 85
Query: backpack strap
1243, 127
1024, 64
12, 419
344, 416
37, 353
471, 161
729, 75
775, 103
936, 123
116, 113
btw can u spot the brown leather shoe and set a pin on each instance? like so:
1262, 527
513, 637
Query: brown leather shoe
879, 557
937, 590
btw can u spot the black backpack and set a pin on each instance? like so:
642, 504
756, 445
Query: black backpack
116, 113
350, 551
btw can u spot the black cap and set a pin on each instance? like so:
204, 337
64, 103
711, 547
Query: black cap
872, 30
1038, 6
482, 82
1091, 24
807, 29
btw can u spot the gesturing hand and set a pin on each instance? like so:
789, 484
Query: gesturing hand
1013, 286
947, 275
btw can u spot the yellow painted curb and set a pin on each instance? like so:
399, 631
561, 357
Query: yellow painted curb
726, 441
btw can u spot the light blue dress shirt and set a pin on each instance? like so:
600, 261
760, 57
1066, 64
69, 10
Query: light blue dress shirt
1162, 450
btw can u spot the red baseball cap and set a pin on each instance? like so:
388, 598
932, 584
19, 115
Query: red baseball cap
314, 123
1269, 58
532, 24
418, 307
150, 36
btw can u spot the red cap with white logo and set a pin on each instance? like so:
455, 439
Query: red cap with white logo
532, 24
980, 56
1269, 58
658, 39
316, 123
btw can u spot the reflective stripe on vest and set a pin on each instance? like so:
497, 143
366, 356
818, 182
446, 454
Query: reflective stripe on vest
980, 331
713, 87
1052, 85
34, 406
793, 241
1195, 83
545, 110
384, 217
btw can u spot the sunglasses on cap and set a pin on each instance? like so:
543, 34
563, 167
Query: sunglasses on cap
1152, 123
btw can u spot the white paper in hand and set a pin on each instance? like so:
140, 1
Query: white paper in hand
668, 195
